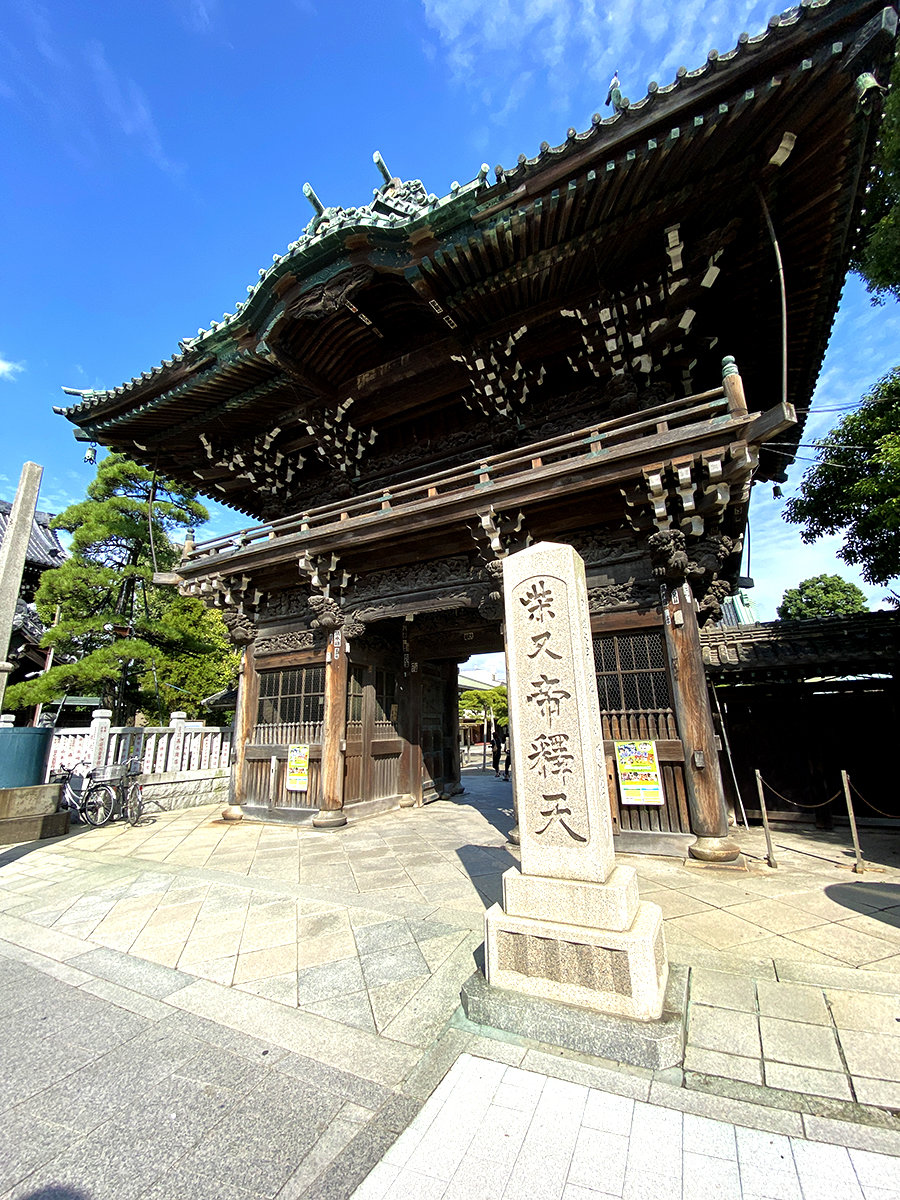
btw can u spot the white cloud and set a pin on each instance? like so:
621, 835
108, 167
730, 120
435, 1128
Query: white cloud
495, 663
9, 370
490, 44
128, 106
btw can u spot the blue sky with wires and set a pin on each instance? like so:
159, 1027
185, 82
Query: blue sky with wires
154, 153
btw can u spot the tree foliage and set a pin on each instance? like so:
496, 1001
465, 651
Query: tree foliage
878, 260
117, 635
492, 702
854, 488
822, 596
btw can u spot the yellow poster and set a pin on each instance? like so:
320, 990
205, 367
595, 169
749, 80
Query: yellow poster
297, 769
639, 779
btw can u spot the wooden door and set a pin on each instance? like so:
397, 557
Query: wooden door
290, 710
635, 702
374, 745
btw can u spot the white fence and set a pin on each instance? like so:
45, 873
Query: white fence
176, 747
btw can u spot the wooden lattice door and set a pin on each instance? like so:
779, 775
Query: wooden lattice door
633, 687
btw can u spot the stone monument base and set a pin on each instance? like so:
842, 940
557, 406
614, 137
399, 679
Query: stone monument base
654, 1045
593, 945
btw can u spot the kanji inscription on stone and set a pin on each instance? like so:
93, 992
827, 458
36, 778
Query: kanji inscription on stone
558, 769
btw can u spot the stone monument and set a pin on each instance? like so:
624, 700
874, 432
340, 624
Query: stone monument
571, 927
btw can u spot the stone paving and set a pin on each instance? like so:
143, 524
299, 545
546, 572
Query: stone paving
169, 994
497, 1133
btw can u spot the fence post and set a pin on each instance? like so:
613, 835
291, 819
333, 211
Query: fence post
176, 741
859, 866
101, 719
770, 856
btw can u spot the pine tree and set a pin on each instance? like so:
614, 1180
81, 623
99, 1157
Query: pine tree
117, 635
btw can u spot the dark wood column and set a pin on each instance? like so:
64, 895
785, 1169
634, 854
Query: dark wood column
706, 797
451, 757
411, 762
244, 721
331, 810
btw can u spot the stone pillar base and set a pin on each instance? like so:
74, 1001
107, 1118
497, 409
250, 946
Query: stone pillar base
619, 969
329, 818
714, 849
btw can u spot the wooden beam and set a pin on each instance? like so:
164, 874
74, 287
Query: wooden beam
774, 421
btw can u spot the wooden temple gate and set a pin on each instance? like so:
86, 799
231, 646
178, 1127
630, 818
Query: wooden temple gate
421, 386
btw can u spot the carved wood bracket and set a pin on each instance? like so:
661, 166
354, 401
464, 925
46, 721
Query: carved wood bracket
693, 494
327, 581
237, 598
701, 563
499, 383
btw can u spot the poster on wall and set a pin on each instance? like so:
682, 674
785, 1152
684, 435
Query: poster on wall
297, 769
638, 769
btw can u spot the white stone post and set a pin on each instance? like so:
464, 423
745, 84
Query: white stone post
101, 719
176, 741
571, 927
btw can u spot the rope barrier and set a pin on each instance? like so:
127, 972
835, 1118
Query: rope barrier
808, 807
869, 804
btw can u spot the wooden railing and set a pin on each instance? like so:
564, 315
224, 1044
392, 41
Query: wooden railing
624, 435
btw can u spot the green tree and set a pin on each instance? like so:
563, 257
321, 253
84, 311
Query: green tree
854, 488
878, 259
490, 701
116, 633
822, 596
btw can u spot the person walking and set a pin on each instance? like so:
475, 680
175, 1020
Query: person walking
496, 750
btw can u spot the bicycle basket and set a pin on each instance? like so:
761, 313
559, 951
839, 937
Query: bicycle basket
110, 773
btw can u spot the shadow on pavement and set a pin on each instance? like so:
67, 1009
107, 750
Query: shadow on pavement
862, 897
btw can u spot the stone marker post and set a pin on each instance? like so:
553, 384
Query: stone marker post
12, 558
571, 927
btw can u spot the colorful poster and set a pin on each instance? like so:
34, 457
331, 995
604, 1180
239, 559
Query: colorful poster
297, 769
639, 779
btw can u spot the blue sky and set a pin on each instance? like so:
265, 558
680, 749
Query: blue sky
154, 155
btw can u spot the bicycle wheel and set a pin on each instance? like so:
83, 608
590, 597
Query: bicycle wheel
134, 804
98, 803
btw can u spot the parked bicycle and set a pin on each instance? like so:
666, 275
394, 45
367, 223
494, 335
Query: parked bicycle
96, 794
115, 790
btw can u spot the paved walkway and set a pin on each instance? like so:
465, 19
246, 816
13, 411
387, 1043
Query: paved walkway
263, 1009
490, 1131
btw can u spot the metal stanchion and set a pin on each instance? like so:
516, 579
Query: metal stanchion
860, 865
770, 855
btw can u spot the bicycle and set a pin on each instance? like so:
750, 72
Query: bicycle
115, 790
76, 785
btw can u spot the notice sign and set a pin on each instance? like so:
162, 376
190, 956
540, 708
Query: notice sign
297, 769
639, 781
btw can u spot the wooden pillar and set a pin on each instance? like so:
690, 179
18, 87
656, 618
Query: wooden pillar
331, 810
244, 722
411, 765
453, 784
706, 797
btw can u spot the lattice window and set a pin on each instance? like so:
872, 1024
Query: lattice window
633, 685
355, 688
386, 708
292, 697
